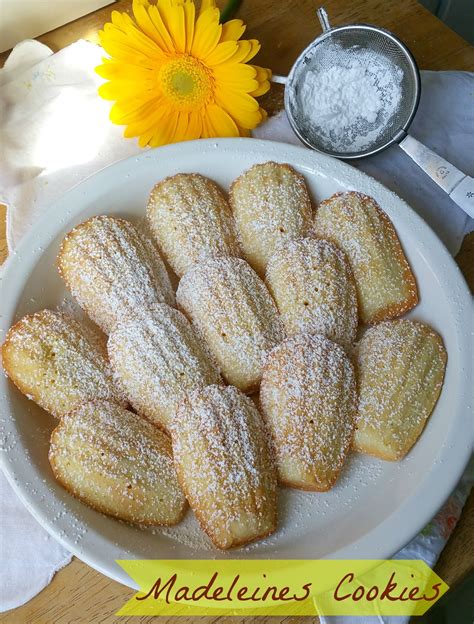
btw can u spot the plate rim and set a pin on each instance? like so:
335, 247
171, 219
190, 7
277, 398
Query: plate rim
28, 251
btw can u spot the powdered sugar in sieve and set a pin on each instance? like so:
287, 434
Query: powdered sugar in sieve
353, 91
349, 102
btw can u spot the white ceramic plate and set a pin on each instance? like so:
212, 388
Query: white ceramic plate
375, 508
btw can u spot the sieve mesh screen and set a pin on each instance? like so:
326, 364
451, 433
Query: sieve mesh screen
338, 48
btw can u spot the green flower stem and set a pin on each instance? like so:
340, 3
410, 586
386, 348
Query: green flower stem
230, 10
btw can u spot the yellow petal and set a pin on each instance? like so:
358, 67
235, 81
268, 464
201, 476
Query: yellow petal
255, 48
232, 30
262, 73
206, 34
207, 131
241, 100
118, 89
156, 32
231, 103
107, 91
236, 77
220, 123
124, 71
131, 33
165, 130
262, 88
189, 17
144, 139
173, 19
121, 20
181, 133
124, 112
118, 49
195, 125
158, 23
221, 53
246, 50
148, 122
243, 132
133, 42
205, 4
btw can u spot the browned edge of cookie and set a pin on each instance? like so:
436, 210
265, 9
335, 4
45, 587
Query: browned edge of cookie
28, 392
202, 522
374, 452
393, 310
299, 179
100, 508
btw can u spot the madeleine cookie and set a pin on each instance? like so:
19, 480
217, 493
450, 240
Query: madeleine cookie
271, 205
308, 399
311, 281
113, 270
56, 363
191, 220
385, 283
117, 463
400, 368
157, 359
233, 311
224, 465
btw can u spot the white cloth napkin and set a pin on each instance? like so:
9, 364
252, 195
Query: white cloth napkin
30, 556
54, 131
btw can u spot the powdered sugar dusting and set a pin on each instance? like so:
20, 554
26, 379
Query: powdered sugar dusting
191, 220
385, 284
118, 463
113, 270
224, 464
157, 359
349, 103
233, 311
308, 397
57, 363
312, 284
298, 511
400, 368
158, 337
271, 205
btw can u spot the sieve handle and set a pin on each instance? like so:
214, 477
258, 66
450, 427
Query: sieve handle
323, 19
454, 182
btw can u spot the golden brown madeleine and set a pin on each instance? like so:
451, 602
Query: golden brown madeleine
113, 270
400, 370
312, 283
157, 359
191, 220
224, 465
233, 311
308, 399
385, 283
55, 362
117, 463
271, 205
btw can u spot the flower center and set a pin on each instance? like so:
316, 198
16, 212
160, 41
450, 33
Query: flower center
186, 82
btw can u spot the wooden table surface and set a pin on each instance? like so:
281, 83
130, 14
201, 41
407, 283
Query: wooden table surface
78, 593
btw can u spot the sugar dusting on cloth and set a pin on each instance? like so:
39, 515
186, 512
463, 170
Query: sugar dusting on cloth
349, 104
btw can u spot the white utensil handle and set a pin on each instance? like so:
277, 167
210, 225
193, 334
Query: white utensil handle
463, 195
454, 182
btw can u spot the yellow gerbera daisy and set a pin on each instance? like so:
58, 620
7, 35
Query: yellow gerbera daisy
174, 77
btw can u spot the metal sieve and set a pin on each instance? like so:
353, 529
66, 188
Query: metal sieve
335, 47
